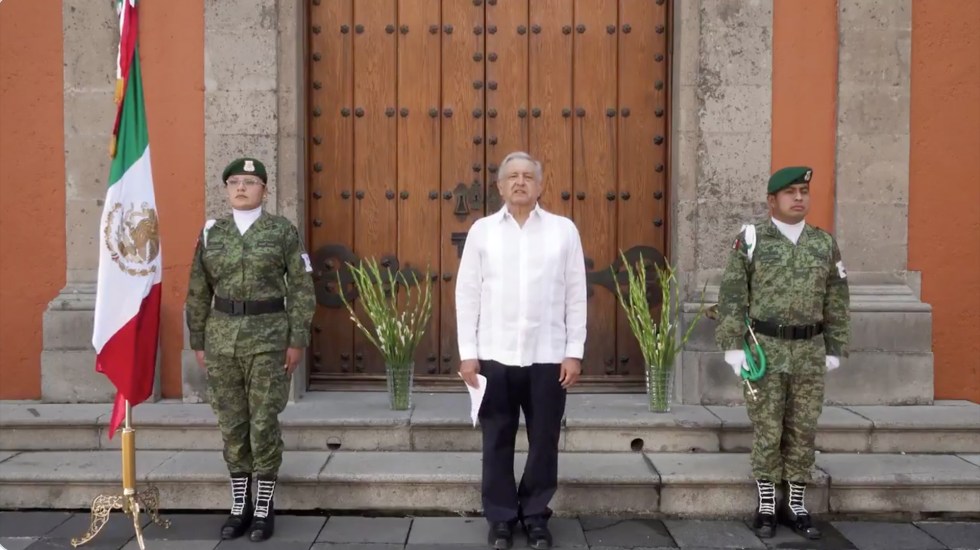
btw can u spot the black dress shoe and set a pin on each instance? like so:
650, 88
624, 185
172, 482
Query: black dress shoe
538, 536
801, 525
501, 535
764, 525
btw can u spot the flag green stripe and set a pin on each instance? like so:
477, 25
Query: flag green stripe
133, 138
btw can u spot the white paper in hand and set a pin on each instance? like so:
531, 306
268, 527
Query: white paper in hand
476, 396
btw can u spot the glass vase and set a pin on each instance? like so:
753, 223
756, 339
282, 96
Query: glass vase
660, 387
400, 379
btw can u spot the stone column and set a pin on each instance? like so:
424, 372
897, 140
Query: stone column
723, 151
91, 34
253, 106
891, 344
873, 134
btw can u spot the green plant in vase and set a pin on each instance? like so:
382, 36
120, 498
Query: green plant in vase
657, 337
397, 323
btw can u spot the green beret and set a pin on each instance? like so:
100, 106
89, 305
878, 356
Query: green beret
788, 176
245, 166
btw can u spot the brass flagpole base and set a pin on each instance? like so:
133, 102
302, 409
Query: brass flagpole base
148, 499
131, 501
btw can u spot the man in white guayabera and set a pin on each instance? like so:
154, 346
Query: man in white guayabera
521, 316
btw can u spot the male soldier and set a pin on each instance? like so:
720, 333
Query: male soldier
786, 279
251, 337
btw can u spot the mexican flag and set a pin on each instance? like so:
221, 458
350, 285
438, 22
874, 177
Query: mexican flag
127, 304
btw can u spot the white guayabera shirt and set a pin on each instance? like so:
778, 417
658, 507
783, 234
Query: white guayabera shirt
521, 292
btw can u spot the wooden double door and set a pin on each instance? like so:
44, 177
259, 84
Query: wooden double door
413, 104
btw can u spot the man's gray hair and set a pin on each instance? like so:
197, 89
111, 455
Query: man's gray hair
520, 155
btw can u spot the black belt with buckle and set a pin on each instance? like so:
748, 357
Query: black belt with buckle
248, 307
787, 332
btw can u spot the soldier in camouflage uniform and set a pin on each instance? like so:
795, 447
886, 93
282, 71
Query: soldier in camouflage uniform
249, 306
788, 279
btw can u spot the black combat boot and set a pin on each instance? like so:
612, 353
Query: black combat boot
241, 507
765, 517
264, 523
795, 515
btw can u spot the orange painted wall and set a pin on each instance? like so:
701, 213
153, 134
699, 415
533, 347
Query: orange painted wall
944, 195
172, 52
32, 187
804, 96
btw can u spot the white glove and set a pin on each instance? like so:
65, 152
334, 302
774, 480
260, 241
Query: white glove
832, 362
736, 359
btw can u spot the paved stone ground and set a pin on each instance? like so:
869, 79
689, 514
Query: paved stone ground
51, 530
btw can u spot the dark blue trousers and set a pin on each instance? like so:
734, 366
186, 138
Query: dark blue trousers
536, 391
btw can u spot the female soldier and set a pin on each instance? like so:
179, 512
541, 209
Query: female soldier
249, 306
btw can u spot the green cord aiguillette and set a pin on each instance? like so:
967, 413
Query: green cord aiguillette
755, 360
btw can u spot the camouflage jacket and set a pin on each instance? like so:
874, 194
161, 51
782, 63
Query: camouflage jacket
788, 284
267, 262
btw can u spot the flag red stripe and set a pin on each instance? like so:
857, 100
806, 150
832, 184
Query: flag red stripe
129, 358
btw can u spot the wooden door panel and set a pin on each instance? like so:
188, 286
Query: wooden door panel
642, 162
413, 105
507, 109
332, 167
595, 160
463, 146
418, 155
375, 147
550, 98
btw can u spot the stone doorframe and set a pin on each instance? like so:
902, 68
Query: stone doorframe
255, 103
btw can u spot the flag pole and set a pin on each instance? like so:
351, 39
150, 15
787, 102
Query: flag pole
131, 500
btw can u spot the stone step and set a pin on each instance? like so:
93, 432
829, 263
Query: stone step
361, 421
699, 485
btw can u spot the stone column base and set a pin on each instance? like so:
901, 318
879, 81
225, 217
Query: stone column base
68, 359
890, 362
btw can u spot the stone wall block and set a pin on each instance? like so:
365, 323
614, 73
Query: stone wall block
873, 168
240, 15
736, 13
91, 40
733, 167
882, 378
738, 55
70, 377
241, 113
864, 109
734, 109
237, 62
875, 56
68, 330
874, 237
83, 234
87, 165
875, 14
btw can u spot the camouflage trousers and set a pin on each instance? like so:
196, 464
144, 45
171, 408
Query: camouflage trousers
784, 420
247, 394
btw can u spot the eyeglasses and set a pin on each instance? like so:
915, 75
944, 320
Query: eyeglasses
247, 182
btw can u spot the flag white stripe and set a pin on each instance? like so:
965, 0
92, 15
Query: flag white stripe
120, 294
